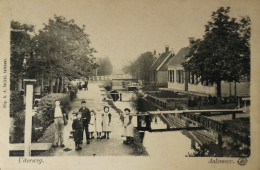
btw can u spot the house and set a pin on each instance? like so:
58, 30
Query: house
160, 67
182, 80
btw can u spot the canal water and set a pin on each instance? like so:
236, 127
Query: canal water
166, 144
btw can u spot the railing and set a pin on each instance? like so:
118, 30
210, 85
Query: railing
168, 103
194, 116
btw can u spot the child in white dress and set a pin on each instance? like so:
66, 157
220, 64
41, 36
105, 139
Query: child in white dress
106, 122
98, 122
91, 126
128, 126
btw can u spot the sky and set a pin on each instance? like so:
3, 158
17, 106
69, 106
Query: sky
123, 29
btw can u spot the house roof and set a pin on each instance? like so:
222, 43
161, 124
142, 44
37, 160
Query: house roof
160, 61
180, 57
164, 65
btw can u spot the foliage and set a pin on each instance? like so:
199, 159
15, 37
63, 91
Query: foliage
16, 103
62, 50
48, 136
17, 136
224, 52
41, 120
214, 150
45, 112
21, 48
238, 128
137, 145
104, 66
141, 67
143, 105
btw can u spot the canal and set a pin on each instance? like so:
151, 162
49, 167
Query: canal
203, 142
166, 144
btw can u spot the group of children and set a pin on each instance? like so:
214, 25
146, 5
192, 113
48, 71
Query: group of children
100, 122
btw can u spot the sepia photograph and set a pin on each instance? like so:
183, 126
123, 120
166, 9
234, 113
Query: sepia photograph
129, 79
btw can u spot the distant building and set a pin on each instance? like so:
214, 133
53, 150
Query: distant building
182, 80
159, 67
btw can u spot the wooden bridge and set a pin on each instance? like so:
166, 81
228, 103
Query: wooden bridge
192, 116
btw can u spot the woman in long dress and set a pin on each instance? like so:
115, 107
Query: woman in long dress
98, 122
128, 126
106, 122
91, 126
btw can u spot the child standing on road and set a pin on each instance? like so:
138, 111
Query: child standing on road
128, 126
77, 126
106, 122
98, 122
92, 124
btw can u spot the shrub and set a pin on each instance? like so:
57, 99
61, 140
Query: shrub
16, 103
17, 136
137, 145
45, 112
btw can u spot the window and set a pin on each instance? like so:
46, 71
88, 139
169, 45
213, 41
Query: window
180, 76
193, 79
171, 75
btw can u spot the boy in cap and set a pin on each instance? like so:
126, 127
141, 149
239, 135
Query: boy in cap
77, 126
85, 119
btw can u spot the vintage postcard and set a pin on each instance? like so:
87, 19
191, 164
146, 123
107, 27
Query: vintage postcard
141, 84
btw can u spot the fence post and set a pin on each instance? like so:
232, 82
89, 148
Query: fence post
28, 116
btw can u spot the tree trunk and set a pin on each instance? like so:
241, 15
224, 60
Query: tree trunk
218, 88
42, 87
50, 86
61, 85
57, 85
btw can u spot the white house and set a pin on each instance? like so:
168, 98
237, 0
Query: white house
183, 80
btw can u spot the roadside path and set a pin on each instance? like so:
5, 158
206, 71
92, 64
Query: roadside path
105, 147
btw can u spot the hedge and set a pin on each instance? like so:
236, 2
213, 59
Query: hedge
16, 102
45, 112
41, 120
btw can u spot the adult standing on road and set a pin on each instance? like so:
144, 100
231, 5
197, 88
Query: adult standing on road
85, 119
60, 119
80, 86
86, 85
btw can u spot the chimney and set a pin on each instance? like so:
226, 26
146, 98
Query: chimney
191, 41
166, 48
154, 52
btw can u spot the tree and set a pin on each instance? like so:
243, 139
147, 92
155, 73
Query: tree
224, 52
62, 50
104, 66
21, 48
141, 67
